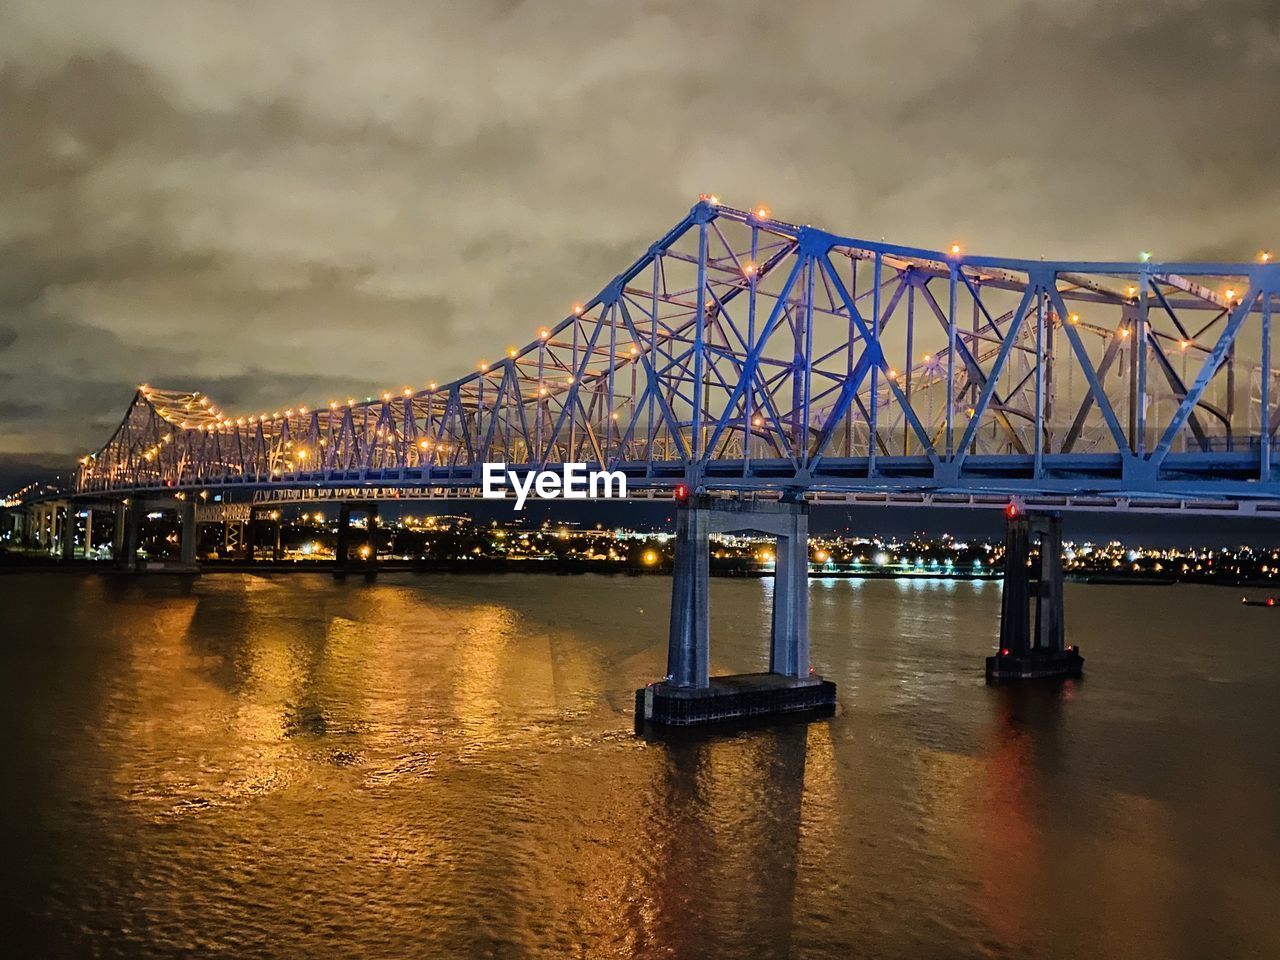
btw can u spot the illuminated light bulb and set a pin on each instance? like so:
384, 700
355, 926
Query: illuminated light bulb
351, 401
333, 404
483, 366
407, 391
302, 410
955, 249
1132, 291
577, 309
749, 269
386, 395
713, 200
1124, 333
1075, 318
1265, 256
431, 385
544, 333
289, 412
302, 454
633, 351
511, 351
1231, 294
704, 196
1183, 344
893, 374
569, 380
762, 212
757, 421
424, 444
1145, 256
613, 416
542, 391
927, 358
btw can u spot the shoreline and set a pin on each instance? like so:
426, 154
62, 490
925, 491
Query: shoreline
488, 567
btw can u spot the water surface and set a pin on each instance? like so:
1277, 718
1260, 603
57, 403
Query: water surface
443, 766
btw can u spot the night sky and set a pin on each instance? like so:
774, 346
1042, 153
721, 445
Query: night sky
281, 202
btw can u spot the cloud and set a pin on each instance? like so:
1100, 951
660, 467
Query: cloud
276, 203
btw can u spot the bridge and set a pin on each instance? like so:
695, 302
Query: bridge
755, 366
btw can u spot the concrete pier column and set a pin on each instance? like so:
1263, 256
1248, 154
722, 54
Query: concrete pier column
250, 534
188, 532
688, 645
1049, 614
789, 640
1032, 645
276, 553
344, 535
1015, 601
371, 529
118, 518
88, 533
128, 558
67, 539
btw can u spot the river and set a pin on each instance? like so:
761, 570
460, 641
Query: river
444, 766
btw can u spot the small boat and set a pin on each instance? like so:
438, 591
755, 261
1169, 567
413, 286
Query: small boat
1261, 602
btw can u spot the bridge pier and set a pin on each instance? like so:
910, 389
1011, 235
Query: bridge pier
67, 535
368, 550
259, 517
127, 534
689, 695
1032, 647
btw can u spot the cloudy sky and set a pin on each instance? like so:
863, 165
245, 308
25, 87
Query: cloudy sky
276, 202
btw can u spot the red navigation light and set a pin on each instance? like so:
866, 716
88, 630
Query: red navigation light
1271, 601
681, 492
1011, 511
1004, 652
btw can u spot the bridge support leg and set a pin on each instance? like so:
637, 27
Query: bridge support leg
789, 646
250, 534
344, 541
68, 536
189, 533
88, 534
118, 512
689, 641
371, 528
689, 695
368, 550
1032, 645
129, 529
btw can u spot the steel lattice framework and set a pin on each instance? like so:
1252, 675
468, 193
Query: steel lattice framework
742, 352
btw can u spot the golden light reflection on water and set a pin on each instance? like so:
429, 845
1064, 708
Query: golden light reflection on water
444, 766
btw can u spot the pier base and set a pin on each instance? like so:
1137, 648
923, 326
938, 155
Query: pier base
1002, 667
738, 697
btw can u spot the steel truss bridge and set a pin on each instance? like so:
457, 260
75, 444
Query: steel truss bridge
745, 353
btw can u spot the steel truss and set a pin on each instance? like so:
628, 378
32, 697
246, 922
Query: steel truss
745, 353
